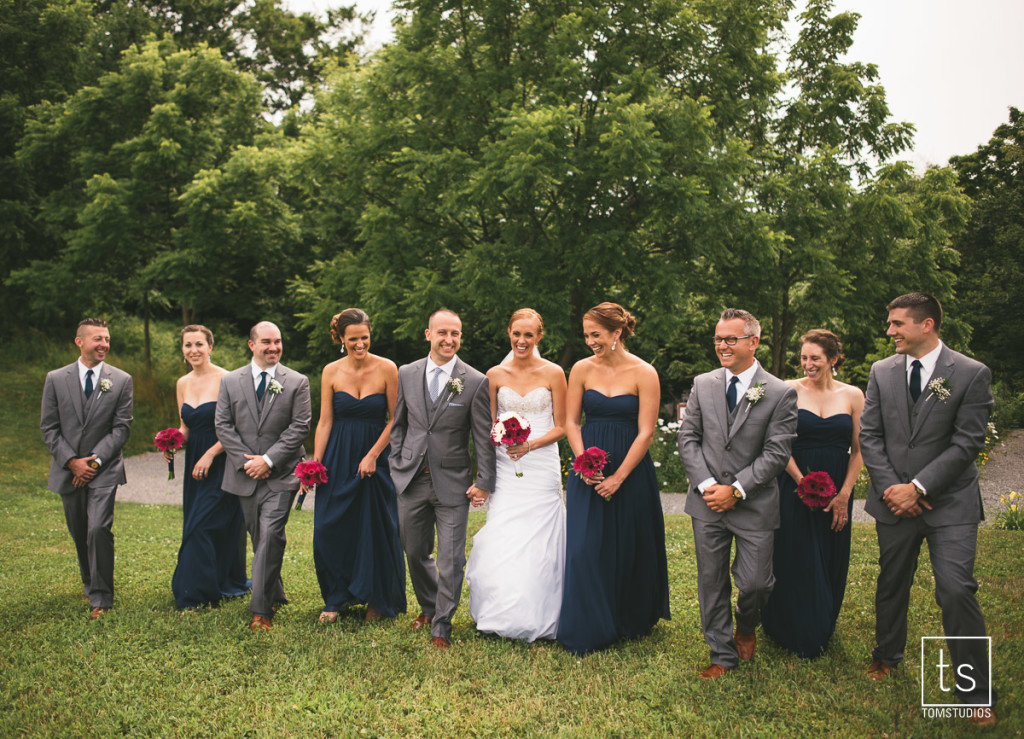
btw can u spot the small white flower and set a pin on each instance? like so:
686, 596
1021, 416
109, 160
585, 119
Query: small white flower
275, 387
657, 464
940, 388
106, 385
756, 394
455, 385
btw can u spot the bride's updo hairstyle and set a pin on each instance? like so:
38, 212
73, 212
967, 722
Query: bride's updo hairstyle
526, 313
348, 317
829, 343
612, 316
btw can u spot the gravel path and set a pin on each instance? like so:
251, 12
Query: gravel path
148, 483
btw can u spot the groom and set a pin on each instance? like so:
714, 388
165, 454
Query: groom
262, 419
734, 441
86, 419
441, 400
924, 422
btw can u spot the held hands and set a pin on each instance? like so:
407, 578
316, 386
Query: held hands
83, 473
839, 506
720, 498
904, 501
257, 467
477, 496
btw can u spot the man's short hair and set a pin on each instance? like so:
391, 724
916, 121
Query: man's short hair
95, 322
750, 324
920, 306
442, 310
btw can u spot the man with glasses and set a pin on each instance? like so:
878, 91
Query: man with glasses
734, 441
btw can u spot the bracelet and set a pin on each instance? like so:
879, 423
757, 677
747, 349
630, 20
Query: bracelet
529, 447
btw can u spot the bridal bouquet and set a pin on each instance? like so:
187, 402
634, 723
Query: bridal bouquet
590, 462
169, 440
310, 473
510, 429
816, 489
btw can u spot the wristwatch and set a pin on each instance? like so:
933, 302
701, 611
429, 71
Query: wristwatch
736, 493
95, 463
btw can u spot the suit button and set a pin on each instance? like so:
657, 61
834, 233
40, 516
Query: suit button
911, 446
728, 447
727, 474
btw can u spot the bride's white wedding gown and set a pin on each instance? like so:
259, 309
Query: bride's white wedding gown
518, 558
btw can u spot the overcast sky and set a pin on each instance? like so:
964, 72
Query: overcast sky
950, 67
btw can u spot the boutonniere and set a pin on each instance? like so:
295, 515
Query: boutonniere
940, 388
106, 385
755, 394
275, 387
455, 386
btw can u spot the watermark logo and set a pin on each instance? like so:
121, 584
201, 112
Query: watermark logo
942, 680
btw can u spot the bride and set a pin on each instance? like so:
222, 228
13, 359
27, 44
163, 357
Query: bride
515, 567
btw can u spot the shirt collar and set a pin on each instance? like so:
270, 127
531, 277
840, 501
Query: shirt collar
82, 369
256, 370
447, 368
928, 362
745, 378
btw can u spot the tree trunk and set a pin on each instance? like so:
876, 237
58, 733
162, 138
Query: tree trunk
145, 332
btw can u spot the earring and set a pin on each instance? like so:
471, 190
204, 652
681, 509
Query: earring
615, 344
834, 372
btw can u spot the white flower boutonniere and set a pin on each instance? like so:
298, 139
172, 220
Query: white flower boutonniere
940, 388
756, 394
105, 385
275, 387
455, 386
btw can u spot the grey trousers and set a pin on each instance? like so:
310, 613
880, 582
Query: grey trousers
752, 571
266, 514
89, 513
437, 583
952, 551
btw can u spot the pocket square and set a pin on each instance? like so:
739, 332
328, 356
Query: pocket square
456, 405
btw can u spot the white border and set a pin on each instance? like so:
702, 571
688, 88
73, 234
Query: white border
988, 639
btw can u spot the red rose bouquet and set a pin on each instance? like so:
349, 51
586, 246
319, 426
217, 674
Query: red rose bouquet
310, 473
816, 489
509, 430
169, 440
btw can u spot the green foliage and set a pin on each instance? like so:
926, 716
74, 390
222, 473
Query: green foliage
1011, 516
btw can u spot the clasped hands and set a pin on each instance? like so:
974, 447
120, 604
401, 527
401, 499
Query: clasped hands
83, 473
903, 500
606, 487
257, 467
720, 497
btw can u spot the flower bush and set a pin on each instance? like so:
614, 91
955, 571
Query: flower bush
1011, 517
667, 462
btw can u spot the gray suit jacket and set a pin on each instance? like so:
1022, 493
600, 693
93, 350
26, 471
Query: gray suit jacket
74, 428
934, 441
278, 431
753, 451
439, 437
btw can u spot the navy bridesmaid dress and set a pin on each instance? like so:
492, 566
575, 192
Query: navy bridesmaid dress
211, 560
811, 561
616, 571
356, 547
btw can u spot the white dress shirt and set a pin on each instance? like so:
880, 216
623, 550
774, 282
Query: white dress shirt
745, 378
82, 369
446, 371
256, 371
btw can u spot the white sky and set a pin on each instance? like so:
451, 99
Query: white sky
950, 67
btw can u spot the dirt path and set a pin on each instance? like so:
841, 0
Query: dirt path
148, 483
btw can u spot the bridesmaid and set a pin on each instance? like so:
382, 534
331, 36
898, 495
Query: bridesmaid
616, 572
211, 560
356, 548
812, 547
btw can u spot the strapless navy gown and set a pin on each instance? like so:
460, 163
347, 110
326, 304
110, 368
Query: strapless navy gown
356, 548
616, 572
811, 560
211, 560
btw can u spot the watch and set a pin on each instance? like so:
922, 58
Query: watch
736, 493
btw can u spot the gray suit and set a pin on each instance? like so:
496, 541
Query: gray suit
935, 442
751, 446
432, 470
75, 427
277, 427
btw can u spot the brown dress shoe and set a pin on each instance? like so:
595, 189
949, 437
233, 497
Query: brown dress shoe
260, 622
745, 644
422, 620
879, 670
97, 612
713, 672
440, 642
983, 721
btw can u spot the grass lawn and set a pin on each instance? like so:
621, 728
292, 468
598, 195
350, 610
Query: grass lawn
146, 670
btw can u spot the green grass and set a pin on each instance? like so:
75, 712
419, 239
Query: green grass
144, 670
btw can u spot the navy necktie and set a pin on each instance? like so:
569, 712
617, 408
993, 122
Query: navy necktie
732, 392
262, 387
88, 384
915, 380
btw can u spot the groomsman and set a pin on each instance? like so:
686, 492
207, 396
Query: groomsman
441, 401
734, 441
86, 418
924, 423
262, 419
